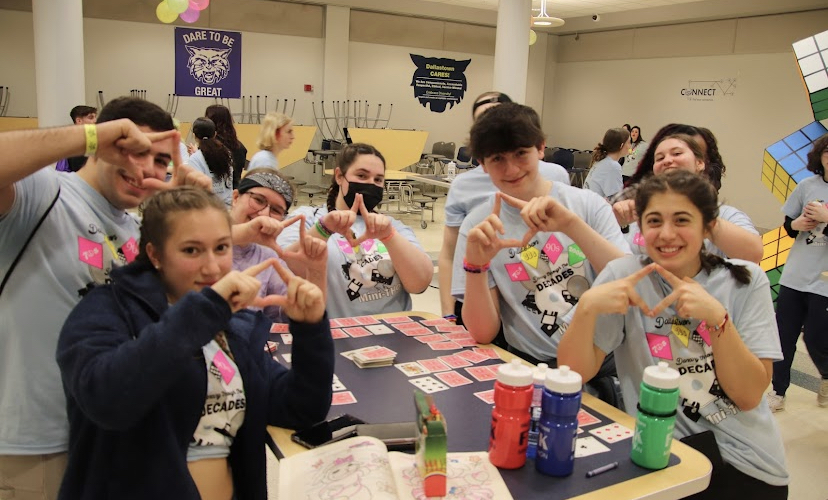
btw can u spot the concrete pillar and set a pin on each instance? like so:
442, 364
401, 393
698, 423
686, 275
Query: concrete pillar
511, 62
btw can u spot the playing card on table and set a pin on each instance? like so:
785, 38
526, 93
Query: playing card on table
428, 384
437, 321
612, 433
366, 320
279, 328
335, 323
474, 357
487, 351
436, 337
588, 445
486, 396
585, 418
469, 342
454, 361
343, 398
453, 379
337, 385
416, 331
287, 338
412, 369
288, 357
379, 329
451, 328
434, 365
338, 333
457, 335
482, 373
408, 325
348, 322
357, 331
375, 352
396, 319
444, 346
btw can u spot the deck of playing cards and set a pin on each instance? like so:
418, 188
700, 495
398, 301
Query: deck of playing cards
374, 356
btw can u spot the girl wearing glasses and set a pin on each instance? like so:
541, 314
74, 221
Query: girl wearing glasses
262, 200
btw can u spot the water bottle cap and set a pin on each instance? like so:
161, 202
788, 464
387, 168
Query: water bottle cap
514, 374
563, 380
540, 373
661, 376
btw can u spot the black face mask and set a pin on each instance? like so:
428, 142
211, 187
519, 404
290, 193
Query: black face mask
371, 194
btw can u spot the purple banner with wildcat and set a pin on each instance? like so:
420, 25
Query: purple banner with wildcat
207, 63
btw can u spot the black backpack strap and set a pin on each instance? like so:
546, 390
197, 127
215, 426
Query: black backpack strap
28, 240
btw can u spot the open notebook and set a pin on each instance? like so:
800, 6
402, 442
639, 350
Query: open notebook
361, 468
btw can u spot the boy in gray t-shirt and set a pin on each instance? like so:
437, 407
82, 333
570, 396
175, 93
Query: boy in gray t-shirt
82, 232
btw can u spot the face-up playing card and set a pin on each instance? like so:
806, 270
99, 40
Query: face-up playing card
453, 379
486, 396
585, 419
357, 331
428, 384
287, 338
379, 329
396, 319
338, 333
454, 361
287, 357
343, 398
337, 385
612, 433
474, 357
588, 445
279, 328
433, 365
412, 369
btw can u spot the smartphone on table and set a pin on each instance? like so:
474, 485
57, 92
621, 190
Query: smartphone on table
333, 429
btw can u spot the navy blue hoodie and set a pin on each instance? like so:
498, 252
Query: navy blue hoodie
136, 382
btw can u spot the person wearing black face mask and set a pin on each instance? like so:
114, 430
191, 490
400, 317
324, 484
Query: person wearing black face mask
374, 261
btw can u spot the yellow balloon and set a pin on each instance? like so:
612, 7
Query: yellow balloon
178, 6
533, 37
164, 14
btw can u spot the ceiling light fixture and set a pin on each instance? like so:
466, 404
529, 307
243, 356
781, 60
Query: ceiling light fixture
545, 20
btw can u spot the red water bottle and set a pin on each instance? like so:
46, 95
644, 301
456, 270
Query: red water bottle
510, 415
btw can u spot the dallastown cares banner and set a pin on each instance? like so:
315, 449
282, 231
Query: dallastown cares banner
439, 82
207, 63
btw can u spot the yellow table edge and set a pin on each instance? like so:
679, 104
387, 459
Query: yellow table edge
682, 479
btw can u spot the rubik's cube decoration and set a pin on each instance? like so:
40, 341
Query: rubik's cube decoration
812, 59
777, 245
784, 162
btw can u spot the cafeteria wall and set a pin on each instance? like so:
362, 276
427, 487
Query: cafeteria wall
636, 76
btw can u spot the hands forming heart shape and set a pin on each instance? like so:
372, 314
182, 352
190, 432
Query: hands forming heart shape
303, 301
690, 298
540, 214
377, 226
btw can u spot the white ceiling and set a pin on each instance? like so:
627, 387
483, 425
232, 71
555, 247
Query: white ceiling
615, 14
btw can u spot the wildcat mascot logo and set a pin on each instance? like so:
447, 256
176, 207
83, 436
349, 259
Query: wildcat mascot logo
438, 81
207, 63
209, 66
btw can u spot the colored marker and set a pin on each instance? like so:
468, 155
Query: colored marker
602, 469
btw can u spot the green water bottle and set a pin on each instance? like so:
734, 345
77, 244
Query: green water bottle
657, 405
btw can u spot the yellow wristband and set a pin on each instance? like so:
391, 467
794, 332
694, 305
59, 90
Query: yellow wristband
91, 139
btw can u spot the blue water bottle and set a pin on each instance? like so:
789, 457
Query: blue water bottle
535, 410
559, 422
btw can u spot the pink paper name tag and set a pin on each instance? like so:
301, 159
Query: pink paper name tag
660, 346
90, 252
224, 367
639, 240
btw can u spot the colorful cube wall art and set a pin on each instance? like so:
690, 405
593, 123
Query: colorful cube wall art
777, 244
812, 59
784, 162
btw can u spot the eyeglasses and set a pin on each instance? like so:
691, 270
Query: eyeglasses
258, 202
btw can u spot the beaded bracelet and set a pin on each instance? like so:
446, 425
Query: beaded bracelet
717, 329
393, 233
91, 132
472, 268
321, 229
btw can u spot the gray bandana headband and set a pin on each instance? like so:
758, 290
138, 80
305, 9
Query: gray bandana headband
269, 181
